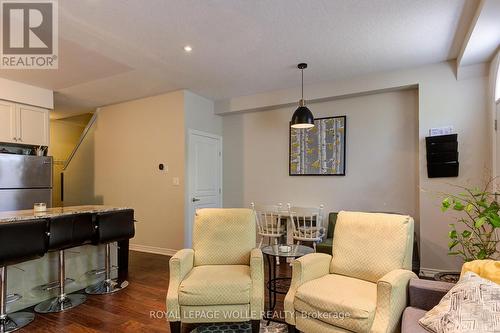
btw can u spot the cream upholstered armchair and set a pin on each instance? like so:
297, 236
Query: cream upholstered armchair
222, 278
363, 286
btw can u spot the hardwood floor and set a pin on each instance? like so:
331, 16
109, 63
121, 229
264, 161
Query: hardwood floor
138, 308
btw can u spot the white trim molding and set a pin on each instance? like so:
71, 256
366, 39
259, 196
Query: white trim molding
152, 249
26, 94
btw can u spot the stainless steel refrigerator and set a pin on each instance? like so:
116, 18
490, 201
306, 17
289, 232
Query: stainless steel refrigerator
24, 180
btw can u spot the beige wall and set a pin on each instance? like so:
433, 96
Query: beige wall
64, 135
118, 165
442, 100
381, 157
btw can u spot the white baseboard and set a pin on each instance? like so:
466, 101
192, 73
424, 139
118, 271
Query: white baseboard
430, 272
152, 249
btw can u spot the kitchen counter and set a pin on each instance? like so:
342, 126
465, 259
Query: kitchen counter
26, 277
29, 214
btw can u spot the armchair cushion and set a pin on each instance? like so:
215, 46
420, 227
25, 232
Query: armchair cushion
306, 268
223, 236
368, 245
338, 300
216, 285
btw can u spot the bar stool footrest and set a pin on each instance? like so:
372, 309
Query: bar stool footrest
11, 298
53, 285
106, 287
100, 271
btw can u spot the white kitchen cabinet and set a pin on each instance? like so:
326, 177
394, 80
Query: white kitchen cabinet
24, 124
8, 113
33, 125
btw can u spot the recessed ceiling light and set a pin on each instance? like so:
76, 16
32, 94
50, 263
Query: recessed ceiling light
188, 48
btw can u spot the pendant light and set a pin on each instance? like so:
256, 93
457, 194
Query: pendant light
302, 117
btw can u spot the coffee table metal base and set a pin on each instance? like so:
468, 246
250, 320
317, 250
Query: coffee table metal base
275, 284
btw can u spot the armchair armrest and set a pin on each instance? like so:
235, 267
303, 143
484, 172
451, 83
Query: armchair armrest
426, 294
392, 299
306, 268
257, 276
180, 265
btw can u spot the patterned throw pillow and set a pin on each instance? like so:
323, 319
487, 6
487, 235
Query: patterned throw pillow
473, 305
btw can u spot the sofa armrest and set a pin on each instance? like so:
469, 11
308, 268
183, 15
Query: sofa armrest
180, 265
426, 294
257, 276
306, 268
392, 299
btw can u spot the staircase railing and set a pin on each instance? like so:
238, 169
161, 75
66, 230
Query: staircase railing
82, 137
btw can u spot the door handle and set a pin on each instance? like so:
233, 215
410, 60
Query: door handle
195, 199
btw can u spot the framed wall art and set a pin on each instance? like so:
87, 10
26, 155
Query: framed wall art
320, 150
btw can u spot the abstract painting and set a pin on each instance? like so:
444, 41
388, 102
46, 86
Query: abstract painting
320, 150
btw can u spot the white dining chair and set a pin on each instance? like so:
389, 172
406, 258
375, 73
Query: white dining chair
270, 224
307, 224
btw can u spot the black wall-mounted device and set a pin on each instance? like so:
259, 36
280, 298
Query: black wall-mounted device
442, 155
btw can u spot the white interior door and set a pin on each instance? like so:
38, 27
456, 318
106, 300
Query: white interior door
204, 175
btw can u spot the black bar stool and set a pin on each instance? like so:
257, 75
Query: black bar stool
19, 241
113, 226
66, 232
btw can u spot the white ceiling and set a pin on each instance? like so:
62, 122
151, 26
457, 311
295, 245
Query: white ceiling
484, 35
112, 51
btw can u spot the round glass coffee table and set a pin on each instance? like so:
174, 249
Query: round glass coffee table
280, 285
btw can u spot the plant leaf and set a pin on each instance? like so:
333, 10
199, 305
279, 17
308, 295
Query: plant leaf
445, 204
452, 244
494, 220
479, 222
469, 208
452, 234
458, 206
466, 233
482, 203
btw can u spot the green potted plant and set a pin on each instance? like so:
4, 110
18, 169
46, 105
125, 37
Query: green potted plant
475, 235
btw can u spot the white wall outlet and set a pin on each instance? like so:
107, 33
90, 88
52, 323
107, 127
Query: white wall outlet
175, 181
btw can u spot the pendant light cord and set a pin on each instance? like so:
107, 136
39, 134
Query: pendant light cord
302, 71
